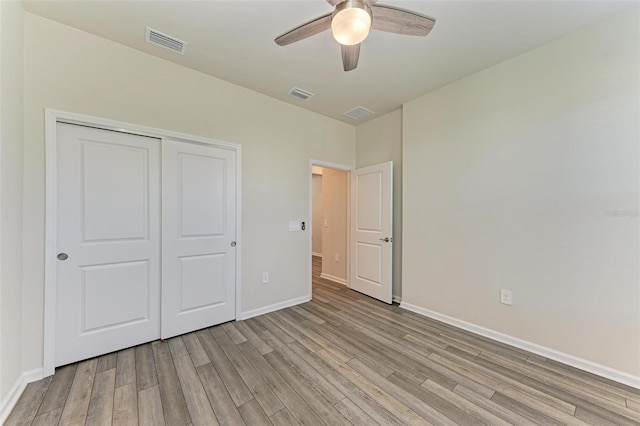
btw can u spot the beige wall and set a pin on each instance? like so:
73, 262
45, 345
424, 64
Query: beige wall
316, 203
379, 141
11, 169
74, 71
334, 234
525, 177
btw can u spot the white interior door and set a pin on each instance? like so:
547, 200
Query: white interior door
198, 236
108, 240
371, 226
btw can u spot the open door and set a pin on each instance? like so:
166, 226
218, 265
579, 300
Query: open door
371, 226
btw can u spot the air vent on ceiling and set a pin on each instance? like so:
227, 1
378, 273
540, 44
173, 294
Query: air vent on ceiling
300, 94
166, 41
358, 112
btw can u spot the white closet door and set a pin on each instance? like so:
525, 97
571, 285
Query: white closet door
108, 241
198, 236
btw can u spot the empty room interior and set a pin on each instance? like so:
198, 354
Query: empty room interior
319, 212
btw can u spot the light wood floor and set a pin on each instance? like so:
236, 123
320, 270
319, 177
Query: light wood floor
341, 359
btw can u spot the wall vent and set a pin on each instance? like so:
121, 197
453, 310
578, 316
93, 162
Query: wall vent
358, 112
300, 94
166, 41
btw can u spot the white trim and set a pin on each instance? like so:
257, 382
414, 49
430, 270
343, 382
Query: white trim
344, 168
238, 230
52, 117
573, 361
10, 401
330, 165
136, 129
275, 307
333, 278
50, 242
396, 299
313, 253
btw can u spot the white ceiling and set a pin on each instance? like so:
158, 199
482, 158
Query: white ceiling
233, 41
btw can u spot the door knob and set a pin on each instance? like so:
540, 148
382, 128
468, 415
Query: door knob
233, 243
386, 239
63, 256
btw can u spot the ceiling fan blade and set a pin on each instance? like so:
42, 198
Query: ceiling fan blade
334, 2
314, 27
400, 21
350, 55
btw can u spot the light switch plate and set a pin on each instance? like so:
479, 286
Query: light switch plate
294, 225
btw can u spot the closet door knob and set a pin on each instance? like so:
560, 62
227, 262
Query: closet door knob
63, 256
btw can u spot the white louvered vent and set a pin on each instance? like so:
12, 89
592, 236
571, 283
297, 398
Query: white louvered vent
166, 41
358, 112
300, 94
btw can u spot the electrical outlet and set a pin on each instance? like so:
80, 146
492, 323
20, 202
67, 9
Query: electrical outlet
337, 257
505, 297
265, 277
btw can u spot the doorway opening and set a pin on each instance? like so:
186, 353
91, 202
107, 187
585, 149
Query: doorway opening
356, 218
329, 251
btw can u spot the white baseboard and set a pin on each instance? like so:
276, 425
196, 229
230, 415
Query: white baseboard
316, 254
275, 307
573, 361
333, 278
16, 390
396, 299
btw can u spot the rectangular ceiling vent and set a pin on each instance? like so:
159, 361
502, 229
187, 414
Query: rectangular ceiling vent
358, 112
166, 41
300, 94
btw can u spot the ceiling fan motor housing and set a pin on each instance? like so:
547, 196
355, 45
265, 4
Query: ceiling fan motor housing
351, 22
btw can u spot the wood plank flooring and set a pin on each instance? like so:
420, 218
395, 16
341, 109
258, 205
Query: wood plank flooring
341, 359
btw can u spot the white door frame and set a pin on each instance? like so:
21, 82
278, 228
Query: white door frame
344, 168
52, 117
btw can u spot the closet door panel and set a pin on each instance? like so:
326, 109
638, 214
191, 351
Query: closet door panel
108, 242
199, 199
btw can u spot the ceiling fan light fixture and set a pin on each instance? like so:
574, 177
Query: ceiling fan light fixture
351, 22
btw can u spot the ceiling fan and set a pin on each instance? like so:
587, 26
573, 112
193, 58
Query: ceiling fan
351, 21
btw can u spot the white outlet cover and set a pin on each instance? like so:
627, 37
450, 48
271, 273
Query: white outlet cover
506, 297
